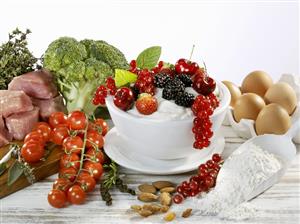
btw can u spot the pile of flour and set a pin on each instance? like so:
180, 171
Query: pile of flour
240, 174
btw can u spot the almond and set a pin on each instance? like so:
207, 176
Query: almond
162, 184
147, 197
165, 198
168, 189
147, 188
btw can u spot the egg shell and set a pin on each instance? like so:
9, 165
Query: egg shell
248, 106
272, 119
257, 82
234, 90
282, 94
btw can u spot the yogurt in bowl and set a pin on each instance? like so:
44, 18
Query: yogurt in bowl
167, 133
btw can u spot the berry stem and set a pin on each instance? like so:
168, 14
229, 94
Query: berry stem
192, 52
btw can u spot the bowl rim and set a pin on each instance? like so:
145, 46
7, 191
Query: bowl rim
224, 103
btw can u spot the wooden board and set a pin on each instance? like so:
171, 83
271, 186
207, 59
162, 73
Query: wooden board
41, 170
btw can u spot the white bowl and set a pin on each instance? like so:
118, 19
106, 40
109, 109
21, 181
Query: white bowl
172, 139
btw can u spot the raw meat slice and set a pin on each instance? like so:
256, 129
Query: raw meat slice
38, 84
20, 124
5, 136
14, 102
47, 107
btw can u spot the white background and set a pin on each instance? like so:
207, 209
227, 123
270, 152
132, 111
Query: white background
232, 37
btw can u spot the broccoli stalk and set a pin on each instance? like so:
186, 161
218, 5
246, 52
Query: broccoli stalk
78, 72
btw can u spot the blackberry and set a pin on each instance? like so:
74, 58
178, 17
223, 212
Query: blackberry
172, 89
185, 99
135, 91
186, 79
161, 79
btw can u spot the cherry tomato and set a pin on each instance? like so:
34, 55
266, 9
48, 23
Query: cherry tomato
57, 118
95, 169
99, 125
77, 120
44, 129
57, 198
32, 152
58, 134
95, 156
86, 181
76, 195
94, 139
34, 135
73, 144
68, 173
70, 160
62, 184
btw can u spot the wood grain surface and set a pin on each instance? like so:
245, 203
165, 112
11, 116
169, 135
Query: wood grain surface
279, 204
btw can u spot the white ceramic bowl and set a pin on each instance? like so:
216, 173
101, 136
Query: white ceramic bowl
170, 139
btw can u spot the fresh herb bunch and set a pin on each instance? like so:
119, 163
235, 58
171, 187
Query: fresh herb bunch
110, 180
15, 57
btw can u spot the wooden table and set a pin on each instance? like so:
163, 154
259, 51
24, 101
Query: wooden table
280, 204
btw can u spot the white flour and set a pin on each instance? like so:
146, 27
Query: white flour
240, 174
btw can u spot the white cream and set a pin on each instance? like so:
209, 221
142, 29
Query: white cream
167, 109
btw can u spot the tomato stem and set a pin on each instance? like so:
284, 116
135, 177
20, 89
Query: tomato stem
83, 148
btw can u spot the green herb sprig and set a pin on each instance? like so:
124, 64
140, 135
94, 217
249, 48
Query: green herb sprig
111, 179
15, 57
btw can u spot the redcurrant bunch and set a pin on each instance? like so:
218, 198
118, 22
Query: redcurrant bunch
203, 108
103, 90
100, 95
202, 182
111, 86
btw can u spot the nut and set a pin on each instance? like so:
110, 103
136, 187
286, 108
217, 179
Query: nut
187, 213
168, 189
154, 208
162, 184
145, 213
136, 208
147, 197
147, 188
165, 198
170, 216
164, 208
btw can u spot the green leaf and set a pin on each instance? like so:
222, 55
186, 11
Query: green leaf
3, 167
124, 77
149, 57
14, 172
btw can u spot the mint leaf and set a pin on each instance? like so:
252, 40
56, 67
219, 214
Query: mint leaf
124, 77
14, 172
149, 57
3, 167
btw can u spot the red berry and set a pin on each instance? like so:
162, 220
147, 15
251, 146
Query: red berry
209, 181
216, 158
194, 185
177, 199
185, 184
133, 64
179, 189
210, 164
124, 98
146, 104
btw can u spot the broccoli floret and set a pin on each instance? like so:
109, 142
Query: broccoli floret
77, 70
63, 52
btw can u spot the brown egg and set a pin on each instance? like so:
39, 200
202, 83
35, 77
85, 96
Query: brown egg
234, 90
248, 106
272, 119
282, 94
257, 82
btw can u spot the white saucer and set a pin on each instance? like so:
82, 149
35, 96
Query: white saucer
119, 151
